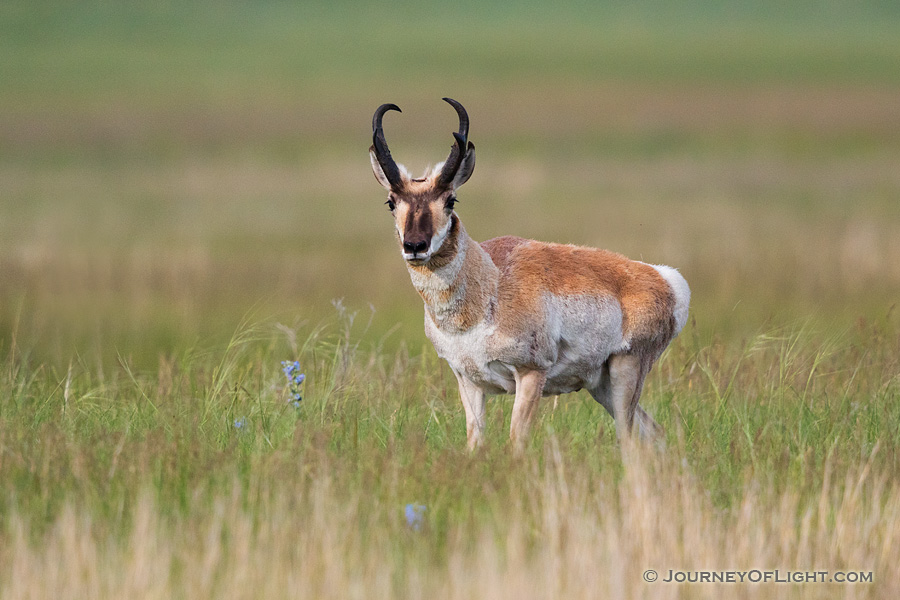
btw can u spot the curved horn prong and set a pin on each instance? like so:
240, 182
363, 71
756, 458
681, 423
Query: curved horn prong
457, 151
379, 114
463, 117
382, 152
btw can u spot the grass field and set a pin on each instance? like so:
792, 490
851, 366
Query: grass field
186, 202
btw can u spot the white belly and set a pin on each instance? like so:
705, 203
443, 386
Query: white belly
574, 341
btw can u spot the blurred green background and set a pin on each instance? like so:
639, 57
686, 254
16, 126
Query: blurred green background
170, 170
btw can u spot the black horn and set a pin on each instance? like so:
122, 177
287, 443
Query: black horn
458, 150
382, 153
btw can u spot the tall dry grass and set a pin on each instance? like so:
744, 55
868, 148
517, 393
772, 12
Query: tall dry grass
561, 532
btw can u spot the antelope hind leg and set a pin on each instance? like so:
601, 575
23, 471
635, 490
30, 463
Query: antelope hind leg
623, 392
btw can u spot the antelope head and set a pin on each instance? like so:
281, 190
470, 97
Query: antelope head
423, 207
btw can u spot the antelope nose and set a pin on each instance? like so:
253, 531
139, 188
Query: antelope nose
415, 247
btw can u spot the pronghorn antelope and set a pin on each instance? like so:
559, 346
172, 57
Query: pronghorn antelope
512, 315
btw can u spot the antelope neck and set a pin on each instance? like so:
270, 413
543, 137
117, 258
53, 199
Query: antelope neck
458, 283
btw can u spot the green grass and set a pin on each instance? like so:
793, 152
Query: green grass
778, 426
185, 195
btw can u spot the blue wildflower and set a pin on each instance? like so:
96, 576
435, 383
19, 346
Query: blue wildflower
240, 423
415, 516
295, 380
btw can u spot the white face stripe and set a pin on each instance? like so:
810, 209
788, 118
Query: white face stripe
438, 240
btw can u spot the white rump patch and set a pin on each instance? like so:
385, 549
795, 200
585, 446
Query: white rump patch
682, 294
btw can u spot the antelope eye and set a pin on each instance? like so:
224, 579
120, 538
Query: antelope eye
451, 202
391, 205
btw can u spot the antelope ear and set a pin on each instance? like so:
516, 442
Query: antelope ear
379, 172
466, 166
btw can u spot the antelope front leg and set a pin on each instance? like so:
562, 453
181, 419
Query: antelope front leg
473, 401
529, 387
